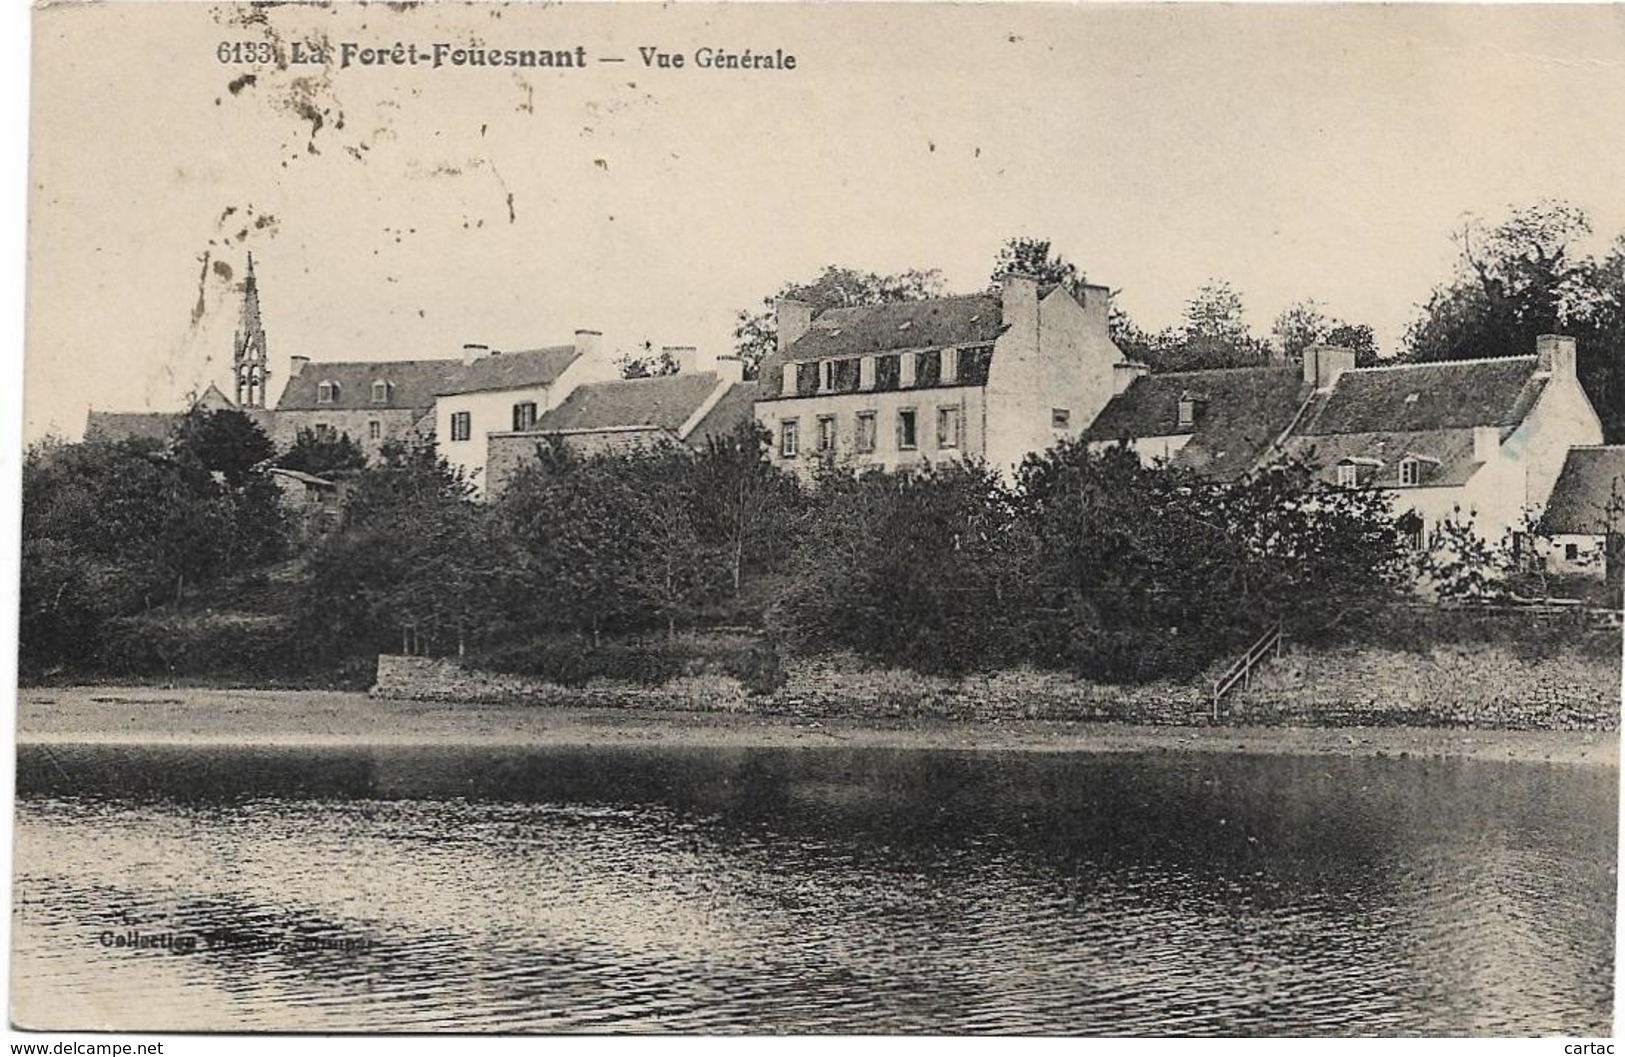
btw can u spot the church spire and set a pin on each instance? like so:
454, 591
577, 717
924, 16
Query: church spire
249, 359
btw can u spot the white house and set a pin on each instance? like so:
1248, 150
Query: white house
995, 375
1480, 442
497, 391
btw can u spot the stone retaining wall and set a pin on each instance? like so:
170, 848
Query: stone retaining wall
1485, 688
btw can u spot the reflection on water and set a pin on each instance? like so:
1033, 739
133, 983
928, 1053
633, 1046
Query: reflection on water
824, 890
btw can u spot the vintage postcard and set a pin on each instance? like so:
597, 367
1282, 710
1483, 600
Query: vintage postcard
908, 519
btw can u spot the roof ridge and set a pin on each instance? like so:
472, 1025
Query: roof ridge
1441, 363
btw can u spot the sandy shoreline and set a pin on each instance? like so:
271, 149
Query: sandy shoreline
274, 718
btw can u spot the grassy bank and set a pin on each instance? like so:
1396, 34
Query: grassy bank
147, 715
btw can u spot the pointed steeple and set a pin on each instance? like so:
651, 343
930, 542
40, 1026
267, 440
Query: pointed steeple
249, 357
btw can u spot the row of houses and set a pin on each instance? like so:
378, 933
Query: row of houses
995, 375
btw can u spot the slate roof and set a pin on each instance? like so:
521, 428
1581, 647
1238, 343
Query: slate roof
1430, 396
1451, 448
665, 402
513, 370
737, 405
940, 322
413, 384
116, 426
1580, 501
1243, 411
1428, 409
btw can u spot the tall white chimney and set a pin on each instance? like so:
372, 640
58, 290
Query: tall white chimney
474, 351
1557, 353
589, 343
687, 358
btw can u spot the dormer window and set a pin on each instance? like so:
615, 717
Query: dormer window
327, 393
1357, 471
380, 392
1190, 409
1414, 468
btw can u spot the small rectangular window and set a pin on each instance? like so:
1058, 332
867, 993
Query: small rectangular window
907, 434
1408, 472
826, 375
375, 430
788, 438
826, 433
327, 392
947, 427
1348, 475
864, 437
462, 425
524, 416
1571, 552
1060, 418
380, 392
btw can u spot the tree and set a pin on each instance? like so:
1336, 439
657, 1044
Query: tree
412, 561
906, 568
743, 502
646, 363
323, 453
1033, 257
1306, 323
227, 442
756, 332
1212, 333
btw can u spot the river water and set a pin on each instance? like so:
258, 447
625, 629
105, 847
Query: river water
810, 890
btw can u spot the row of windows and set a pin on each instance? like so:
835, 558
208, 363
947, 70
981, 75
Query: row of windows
329, 392
1353, 473
325, 431
950, 429
524, 417
901, 370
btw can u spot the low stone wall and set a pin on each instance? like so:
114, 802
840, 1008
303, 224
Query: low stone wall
1485, 688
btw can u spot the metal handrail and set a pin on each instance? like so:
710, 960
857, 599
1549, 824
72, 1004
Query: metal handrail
1242, 669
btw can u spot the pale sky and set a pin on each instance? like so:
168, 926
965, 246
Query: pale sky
1320, 151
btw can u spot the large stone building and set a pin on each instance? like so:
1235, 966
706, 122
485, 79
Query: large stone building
993, 375
373, 402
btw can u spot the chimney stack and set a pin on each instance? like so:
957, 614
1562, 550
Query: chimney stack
687, 358
297, 364
1125, 372
589, 343
730, 369
1097, 308
1323, 364
1556, 353
793, 318
473, 351
1019, 297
